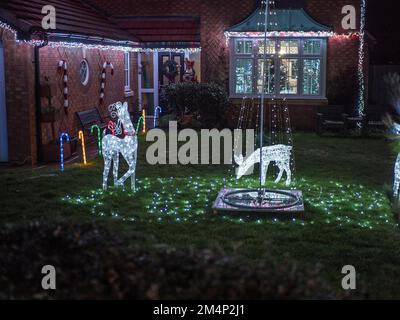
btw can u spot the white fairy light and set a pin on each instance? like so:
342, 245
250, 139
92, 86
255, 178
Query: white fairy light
396, 185
7, 27
280, 154
112, 146
361, 62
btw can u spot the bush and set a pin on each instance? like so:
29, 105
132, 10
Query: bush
203, 102
94, 263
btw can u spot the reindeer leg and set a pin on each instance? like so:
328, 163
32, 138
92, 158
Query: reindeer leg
288, 175
107, 165
115, 168
281, 169
133, 176
264, 171
130, 172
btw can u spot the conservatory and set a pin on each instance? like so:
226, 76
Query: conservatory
296, 51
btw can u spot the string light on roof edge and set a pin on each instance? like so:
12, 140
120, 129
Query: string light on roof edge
7, 27
74, 45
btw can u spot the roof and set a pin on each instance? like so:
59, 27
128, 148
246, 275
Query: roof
164, 30
286, 20
74, 20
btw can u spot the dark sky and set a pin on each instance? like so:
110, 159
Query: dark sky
383, 22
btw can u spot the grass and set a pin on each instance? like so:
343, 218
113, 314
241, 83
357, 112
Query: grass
349, 216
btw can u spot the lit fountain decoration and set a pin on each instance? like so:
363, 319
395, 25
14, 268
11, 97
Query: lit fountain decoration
112, 146
263, 200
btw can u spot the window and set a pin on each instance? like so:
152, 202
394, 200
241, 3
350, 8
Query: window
311, 76
244, 75
127, 71
289, 76
295, 67
84, 72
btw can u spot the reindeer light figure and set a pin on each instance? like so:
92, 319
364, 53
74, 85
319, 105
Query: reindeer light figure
395, 128
280, 154
112, 146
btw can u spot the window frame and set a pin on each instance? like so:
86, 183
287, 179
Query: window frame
86, 81
127, 71
255, 55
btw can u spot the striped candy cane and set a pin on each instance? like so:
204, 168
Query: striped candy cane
106, 65
62, 66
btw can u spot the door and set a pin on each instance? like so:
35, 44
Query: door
3, 111
164, 57
148, 81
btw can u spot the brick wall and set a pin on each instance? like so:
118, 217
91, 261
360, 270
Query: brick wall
216, 16
82, 97
342, 59
20, 100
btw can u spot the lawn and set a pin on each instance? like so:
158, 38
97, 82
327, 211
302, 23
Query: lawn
344, 181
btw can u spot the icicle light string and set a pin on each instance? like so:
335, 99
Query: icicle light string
361, 61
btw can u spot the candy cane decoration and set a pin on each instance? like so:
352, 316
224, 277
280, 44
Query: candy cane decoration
62, 136
62, 65
82, 138
98, 136
106, 65
155, 115
144, 121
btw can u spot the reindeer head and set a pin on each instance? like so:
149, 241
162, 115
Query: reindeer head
241, 170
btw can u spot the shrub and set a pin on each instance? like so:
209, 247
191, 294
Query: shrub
204, 102
95, 263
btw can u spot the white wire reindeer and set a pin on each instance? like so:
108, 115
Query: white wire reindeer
280, 154
395, 129
113, 146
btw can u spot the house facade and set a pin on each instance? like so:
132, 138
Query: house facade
105, 51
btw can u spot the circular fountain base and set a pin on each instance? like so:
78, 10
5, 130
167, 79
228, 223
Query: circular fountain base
284, 202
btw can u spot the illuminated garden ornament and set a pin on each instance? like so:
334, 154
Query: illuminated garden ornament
98, 136
142, 120
63, 136
280, 154
82, 138
113, 146
157, 112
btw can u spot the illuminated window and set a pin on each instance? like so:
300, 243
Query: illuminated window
295, 67
244, 76
311, 76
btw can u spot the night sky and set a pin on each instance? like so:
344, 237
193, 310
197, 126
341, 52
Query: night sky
384, 24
